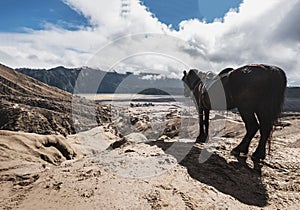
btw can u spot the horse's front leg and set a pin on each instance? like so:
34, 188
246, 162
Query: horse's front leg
202, 133
206, 122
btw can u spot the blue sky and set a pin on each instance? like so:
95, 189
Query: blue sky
20, 15
175, 11
213, 34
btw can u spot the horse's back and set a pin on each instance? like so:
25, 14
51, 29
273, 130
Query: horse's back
256, 76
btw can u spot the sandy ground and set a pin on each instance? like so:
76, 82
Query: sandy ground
156, 165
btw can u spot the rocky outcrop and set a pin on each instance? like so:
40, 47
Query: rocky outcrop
32, 106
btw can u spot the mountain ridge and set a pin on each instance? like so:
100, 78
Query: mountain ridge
99, 81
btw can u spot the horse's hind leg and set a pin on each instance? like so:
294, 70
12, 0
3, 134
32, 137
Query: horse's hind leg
252, 126
202, 122
265, 131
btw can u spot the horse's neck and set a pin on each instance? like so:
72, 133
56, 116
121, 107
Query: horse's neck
209, 82
219, 81
195, 83
195, 86
223, 75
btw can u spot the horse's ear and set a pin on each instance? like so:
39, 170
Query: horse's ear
184, 73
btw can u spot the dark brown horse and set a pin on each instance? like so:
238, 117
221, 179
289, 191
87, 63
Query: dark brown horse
257, 91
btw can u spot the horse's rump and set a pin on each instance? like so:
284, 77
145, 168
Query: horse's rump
258, 87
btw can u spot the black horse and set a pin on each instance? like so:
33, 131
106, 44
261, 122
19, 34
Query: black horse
257, 91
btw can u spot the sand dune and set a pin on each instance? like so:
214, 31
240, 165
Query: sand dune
28, 146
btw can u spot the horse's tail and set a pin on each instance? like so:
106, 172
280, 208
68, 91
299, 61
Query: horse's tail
277, 90
278, 86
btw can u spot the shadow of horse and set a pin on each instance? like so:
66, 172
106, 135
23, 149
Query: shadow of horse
232, 178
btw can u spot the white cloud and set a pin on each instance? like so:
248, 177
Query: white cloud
258, 32
253, 34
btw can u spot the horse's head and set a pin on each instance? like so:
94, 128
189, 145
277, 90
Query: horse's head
186, 89
190, 80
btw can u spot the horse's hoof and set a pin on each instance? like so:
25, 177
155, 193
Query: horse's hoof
243, 150
257, 168
201, 139
256, 157
235, 152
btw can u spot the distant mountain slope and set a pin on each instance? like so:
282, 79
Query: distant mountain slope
94, 80
60, 77
32, 106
